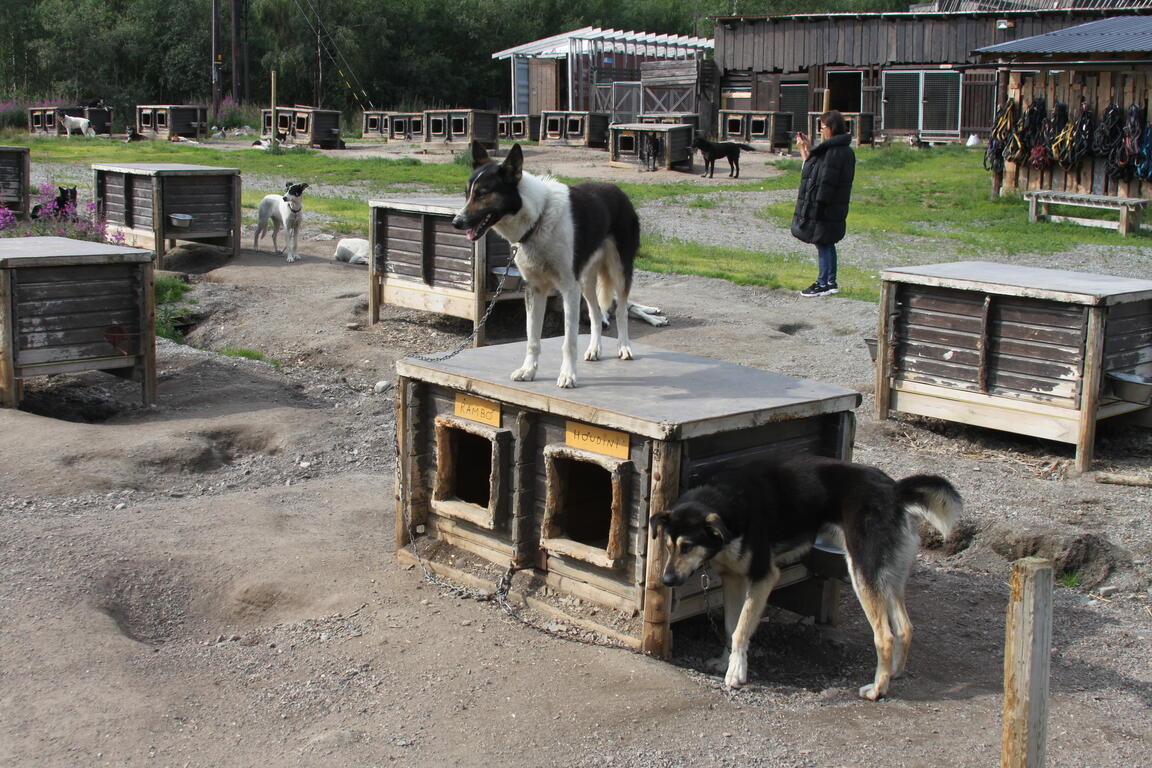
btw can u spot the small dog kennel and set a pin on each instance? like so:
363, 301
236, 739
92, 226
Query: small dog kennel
651, 146
377, 124
771, 128
73, 305
166, 121
303, 125
460, 127
1021, 349
676, 118
155, 204
519, 128
406, 126
15, 180
579, 129
562, 482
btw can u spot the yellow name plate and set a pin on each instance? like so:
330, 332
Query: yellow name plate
604, 441
477, 409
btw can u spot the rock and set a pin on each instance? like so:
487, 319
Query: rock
381, 387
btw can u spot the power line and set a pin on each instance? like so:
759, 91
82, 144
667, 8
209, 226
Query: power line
320, 32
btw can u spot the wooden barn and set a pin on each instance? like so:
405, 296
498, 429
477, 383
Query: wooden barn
563, 72
167, 121
563, 482
915, 73
305, 125
15, 180
1103, 67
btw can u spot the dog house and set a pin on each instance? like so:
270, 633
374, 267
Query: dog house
861, 126
651, 146
377, 124
168, 121
304, 125
676, 118
1040, 352
74, 305
460, 127
153, 205
406, 126
772, 128
580, 129
518, 128
420, 261
45, 121
15, 175
564, 481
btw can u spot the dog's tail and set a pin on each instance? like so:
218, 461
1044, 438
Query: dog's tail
748, 147
933, 498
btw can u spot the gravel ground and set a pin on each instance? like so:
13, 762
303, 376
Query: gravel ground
212, 581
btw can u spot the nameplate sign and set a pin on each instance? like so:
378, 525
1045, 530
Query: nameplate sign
607, 442
477, 409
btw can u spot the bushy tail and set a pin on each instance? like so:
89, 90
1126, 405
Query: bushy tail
933, 498
747, 147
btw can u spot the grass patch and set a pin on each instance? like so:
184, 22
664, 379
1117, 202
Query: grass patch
787, 271
247, 354
1070, 579
171, 308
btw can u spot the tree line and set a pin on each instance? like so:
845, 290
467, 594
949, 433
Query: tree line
335, 54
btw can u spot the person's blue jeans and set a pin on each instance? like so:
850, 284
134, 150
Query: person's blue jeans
826, 257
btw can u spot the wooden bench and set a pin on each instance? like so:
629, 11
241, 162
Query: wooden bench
1040, 200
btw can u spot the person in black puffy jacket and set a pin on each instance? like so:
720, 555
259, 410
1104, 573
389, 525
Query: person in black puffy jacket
822, 202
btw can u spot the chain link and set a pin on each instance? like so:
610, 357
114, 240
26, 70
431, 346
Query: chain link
479, 326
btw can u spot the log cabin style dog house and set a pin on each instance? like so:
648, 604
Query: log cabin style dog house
406, 126
15, 180
153, 205
518, 128
45, 121
74, 305
574, 129
420, 261
563, 482
651, 146
168, 121
1040, 352
458, 128
377, 124
770, 129
310, 126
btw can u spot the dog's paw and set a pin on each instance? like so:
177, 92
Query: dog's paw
566, 380
592, 354
524, 373
737, 671
625, 352
871, 692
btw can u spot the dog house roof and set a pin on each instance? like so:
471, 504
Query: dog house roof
660, 394
1032, 282
165, 169
45, 251
585, 39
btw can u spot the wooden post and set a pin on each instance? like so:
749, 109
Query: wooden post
1090, 388
657, 631
403, 473
146, 346
274, 126
9, 397
884, 338
1027, 644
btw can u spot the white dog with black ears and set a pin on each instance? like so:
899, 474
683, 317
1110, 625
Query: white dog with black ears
81, 124
285, 211
570, 240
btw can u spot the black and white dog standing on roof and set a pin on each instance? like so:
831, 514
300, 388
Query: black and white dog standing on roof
287, 211
570, 240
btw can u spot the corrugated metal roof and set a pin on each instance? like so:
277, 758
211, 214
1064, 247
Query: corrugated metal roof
559, 46
1117, 34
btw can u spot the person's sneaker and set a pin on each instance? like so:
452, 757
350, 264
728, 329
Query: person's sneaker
814, 290
830, 289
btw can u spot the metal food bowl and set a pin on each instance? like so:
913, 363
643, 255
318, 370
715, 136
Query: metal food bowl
1131, 387
513, 282
871, 343
180, 219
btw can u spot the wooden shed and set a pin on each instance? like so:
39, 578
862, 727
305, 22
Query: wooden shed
519, 128
15, 180
914, 70
153, 205
420, 261
564, 481
74, 305
651, 146
574, 129
377, 124
1021, 349
166, 121
306, 125
458, 128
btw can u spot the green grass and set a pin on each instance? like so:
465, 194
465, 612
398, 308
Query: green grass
1070, 579
247, 354
170, 309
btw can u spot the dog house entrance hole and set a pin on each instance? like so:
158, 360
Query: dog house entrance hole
469, 470
628, 143
575, 126
518, 128
758, 127
302, 124
735, 126
437, 126
373, 123
161, 119
459, 126
146, 119
586, 508
417, 125
552, 126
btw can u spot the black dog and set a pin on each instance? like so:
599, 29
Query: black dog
712, 151
63, 206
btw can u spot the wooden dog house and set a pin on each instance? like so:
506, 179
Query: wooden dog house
420, 261
563, 481
675, 118
155, 204
15, 180
1021, 349
861, 126
518, 128
581, 129
304, 125
651, 146
406, 126
771, 128
74, 305
460, 127
377, 124
167, 121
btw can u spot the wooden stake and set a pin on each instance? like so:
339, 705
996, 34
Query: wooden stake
1027, 647
657, 630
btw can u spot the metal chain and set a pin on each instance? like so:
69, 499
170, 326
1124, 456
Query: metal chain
705, 585
476, 330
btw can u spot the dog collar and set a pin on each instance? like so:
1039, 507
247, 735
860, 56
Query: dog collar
532, 229
294, 210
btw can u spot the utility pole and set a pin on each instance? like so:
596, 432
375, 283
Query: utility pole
217, 59
236, 95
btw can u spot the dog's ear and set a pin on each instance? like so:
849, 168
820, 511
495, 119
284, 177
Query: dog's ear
657, 523
716, 526
479, 154
287, 186
513, 165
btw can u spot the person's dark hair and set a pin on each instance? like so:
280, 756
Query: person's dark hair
834, 120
